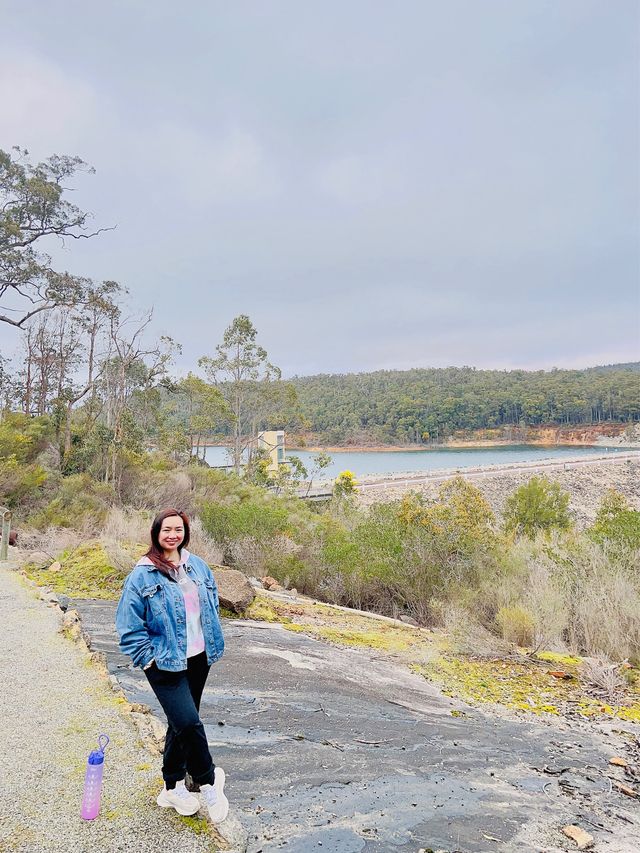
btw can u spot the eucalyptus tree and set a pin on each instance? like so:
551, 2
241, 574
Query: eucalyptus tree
246, 379
34, 210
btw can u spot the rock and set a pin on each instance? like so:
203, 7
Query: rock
49, 597
139, 708
151, 731
13, 537
270, 583
625, 789
618, 762
158, 729
71, 624
234, 590
39, 559
230, 834
582, 838
63, 602
55, 567
408, 620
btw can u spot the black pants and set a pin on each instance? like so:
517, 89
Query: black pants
185, 746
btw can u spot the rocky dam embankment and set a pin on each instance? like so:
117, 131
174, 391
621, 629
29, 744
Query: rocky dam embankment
586, 481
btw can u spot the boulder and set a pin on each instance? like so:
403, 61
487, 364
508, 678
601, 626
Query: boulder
234, 590
270, 583
39, 559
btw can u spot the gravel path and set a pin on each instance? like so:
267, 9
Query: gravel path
53, 705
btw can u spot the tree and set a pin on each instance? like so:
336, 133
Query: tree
459, 523
320, 461
203, 407
132, 366
537, 505
32, 210
241, 370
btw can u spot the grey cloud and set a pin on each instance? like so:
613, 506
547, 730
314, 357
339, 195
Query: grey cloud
375, 185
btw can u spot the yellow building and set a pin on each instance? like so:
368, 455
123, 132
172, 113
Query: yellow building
273, 442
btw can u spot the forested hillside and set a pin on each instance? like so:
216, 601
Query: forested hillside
426, 405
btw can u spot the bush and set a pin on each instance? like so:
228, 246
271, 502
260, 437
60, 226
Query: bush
20, 483
23, 437
537, 505
616, 521
255, 518
81, 502
516, 625
345, 484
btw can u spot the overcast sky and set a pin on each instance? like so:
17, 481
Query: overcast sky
377, 184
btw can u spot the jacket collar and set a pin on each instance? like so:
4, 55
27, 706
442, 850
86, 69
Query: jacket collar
145, 561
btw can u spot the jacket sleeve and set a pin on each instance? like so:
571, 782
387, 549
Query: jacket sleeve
132, 627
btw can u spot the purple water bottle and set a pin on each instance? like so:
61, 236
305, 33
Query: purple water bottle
93, 780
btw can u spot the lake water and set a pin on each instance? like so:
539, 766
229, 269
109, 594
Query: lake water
404, 461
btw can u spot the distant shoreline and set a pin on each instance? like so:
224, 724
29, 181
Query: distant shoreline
603, 435
450, 445
417, 448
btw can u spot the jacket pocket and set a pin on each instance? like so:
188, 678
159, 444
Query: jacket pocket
155, 606
212, 594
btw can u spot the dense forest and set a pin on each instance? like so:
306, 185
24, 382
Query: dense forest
419, 405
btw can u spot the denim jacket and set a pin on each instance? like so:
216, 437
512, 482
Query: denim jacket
151, 615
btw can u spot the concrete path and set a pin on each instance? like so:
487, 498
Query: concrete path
53, 705
346, 751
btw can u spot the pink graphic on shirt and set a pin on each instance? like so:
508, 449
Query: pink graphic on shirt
195, 636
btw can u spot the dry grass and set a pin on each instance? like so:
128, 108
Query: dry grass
203, 545
468, 637
604, 675
51, 541
126, 525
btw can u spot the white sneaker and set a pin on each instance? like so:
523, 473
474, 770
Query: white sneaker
215, 799
178, 798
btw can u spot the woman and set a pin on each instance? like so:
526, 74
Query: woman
167, 620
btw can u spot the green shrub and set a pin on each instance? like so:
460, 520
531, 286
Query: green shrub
345, 484
250, 517
23, 437
20, 483
537, 505
516, 625
80, 502
616, 521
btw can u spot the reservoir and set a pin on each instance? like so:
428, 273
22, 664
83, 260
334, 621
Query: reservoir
363, 463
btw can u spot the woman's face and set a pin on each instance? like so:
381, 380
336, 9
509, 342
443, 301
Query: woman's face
171, 533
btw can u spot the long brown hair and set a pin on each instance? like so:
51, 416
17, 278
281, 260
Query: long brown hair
155, 552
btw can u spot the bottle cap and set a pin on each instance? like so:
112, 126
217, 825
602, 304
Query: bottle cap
96, 756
